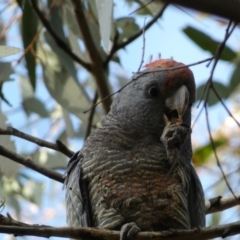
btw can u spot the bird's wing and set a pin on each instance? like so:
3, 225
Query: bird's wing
196, 202
77, 202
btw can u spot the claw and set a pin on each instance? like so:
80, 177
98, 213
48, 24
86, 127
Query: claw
173, 138
129, 231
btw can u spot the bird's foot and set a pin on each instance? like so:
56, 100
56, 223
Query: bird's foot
173, 137
129, 230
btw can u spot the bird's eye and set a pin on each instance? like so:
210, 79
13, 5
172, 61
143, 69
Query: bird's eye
153, 91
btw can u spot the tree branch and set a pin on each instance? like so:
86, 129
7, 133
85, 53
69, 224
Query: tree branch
91, 115
30, 164
97, 63
99, 234
59, 146
219, 204
61, 44
119, 46
229, 9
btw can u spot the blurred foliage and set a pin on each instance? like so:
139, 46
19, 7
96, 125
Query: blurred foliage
203, 153
71, 87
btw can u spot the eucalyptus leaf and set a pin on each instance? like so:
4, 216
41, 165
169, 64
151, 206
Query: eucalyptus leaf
127, 27
7, 166
29, 32
8, 51
105, 18
50, 160
25, 87
5, 71
222, 90
33, 191
93, 8
76, 48
202, 154
55, 18
235, 79
69, 127
65, 59
71, 22
13, 201
208, 44
66, 91
34, 105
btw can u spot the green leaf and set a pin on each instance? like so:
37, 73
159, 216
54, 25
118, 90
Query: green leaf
221, 89
33, 191
148, 9
57, 24
2, 96
127, 27
49, 160
6, 71
208, 44
7, 51
55, 18
34, 105
76, 48
20, 3
25, 87
105, 18
202, 154
63, 57
13, 201
70, 20
7, 167
93, 8
66, 91
29, 31
235, 79
69, 126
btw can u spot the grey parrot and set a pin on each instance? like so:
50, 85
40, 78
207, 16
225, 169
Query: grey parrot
134, 173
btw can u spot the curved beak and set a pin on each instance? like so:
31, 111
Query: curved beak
176, 105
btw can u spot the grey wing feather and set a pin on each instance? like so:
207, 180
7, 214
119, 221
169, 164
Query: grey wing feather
77, 202
196, 202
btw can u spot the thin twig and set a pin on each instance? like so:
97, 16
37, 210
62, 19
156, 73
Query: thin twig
61, 44
143, 47
220, 180
122, 45
59, 146
30, 164
174, 68
217, 56
91, 114
198, 115
143, 6
215, 151
112, 51
140, 74
224, 105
